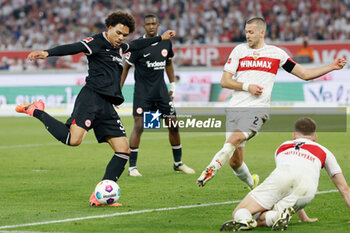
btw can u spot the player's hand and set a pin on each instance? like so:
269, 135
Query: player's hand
339, 63
171, 94
168, 34
35, 55
255, 89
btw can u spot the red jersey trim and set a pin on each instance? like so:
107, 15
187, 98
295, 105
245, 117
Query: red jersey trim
265, 64
313, 149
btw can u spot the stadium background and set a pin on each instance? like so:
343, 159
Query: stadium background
206, 33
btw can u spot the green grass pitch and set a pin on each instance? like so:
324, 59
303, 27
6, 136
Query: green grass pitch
42, 181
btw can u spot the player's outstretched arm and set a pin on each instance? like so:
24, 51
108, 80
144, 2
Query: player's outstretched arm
304, 218
340, 182
312, 73
62, 50
228, 82
144, 42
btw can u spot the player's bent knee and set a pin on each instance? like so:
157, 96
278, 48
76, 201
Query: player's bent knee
236, 139
75, 142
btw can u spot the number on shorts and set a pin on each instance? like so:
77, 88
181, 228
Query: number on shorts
121, 126
256, 119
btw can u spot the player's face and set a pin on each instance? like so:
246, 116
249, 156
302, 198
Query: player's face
117, 34
151, 26
253, 35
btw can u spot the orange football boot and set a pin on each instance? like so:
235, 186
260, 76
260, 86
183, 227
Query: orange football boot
29, 108
94, 202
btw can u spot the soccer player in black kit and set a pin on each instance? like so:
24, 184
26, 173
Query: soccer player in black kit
94, 106
151, 92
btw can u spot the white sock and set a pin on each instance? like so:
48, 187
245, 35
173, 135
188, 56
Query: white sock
270, 217
177, 163
243, 173
242, 214
222, 156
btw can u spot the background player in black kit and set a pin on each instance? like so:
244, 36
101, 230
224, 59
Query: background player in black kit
151, 92
94, 105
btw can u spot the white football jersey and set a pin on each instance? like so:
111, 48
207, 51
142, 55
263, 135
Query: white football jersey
254, 66
308, 157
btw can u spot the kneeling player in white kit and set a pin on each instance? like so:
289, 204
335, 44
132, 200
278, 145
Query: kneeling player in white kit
292, 185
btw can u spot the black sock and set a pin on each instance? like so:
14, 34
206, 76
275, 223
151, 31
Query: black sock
133, 156
177, 152
116, 166
55, 127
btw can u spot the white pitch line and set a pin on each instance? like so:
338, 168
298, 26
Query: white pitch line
131, 213
118, 214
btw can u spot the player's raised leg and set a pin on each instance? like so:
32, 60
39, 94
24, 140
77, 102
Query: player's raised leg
221, 157
71, 136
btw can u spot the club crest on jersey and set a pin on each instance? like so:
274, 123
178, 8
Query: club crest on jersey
127, 55
164, 52
255, 55
89, 39
87, 123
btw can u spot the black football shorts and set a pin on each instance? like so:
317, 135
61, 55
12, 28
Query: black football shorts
164, 105
94, 111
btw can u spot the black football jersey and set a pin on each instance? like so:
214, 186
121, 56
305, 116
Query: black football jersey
105, 66
149, 65
105, 62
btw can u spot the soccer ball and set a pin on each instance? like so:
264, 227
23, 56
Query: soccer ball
107, 192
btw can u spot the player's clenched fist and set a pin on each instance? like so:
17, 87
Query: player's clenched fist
339, 63
37, 55
168, 34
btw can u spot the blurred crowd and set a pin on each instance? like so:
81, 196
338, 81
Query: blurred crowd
41, 24
36, 24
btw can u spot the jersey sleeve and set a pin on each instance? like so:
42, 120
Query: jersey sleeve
67, 49
286, 62
139, 44
232, 61
131, 57
331, 165
92, 44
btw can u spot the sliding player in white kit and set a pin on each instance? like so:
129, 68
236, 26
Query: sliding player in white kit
254, 65
292, 185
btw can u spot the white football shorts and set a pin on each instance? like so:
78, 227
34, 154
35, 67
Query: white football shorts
285, 187
248, 121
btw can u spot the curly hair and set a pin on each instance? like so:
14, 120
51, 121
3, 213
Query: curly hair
122, 18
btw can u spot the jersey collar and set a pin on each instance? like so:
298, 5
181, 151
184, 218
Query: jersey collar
104, 36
